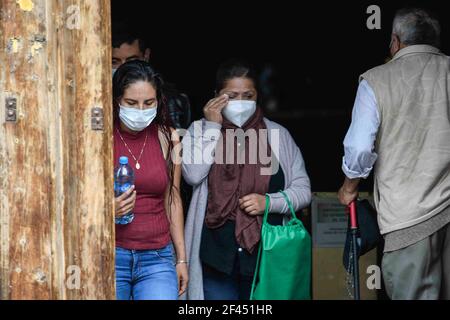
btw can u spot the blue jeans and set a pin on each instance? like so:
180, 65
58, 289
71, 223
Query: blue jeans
146, 274
221, 286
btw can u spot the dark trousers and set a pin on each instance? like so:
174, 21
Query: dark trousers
221, 286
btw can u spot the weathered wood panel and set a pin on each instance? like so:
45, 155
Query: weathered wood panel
55, 171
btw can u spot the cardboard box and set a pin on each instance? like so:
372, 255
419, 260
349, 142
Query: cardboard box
329, 227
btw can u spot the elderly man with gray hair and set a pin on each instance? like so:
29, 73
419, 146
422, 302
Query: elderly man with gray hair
401, 127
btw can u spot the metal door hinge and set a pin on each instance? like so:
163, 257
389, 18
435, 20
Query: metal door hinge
11, 109
97, 118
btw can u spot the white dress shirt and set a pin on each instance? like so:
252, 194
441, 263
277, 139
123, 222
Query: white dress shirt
359, 143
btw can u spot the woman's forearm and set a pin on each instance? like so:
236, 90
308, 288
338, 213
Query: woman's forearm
197, 147
175, 207
299, 190
177, 228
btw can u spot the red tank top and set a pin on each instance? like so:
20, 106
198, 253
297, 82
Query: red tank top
150, 228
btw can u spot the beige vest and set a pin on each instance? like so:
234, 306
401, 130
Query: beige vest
412, 172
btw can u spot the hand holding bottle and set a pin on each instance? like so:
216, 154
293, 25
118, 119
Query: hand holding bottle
125, 202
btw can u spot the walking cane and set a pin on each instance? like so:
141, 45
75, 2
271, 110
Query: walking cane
354, 233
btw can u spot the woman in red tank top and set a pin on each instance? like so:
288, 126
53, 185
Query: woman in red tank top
146, 267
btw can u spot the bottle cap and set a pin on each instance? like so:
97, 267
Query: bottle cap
123, 160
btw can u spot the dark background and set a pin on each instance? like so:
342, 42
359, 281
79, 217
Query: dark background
317, 48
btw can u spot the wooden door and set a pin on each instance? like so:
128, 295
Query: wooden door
56, 205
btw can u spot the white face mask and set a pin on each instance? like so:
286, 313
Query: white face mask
135, 119
239, 111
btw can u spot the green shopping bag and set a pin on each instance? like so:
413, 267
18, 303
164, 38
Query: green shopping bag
283, 270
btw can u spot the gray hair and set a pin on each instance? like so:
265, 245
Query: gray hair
416, 26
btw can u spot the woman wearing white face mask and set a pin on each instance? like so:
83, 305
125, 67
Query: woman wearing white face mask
146, 268
224, 220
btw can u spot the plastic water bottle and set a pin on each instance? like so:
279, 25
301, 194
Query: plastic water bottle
123, 180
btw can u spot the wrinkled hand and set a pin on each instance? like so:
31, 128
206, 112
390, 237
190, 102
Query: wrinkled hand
346, 197
253, 204
125, 202
213, 109
183, 278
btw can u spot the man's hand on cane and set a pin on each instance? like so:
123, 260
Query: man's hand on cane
349, 191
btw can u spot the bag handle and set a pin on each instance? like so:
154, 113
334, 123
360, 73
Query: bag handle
285, 196
258, 260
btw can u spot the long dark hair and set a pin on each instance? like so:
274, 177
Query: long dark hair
130, 73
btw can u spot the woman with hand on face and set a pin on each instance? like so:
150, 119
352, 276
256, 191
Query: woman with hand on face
145, 265
223, 226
